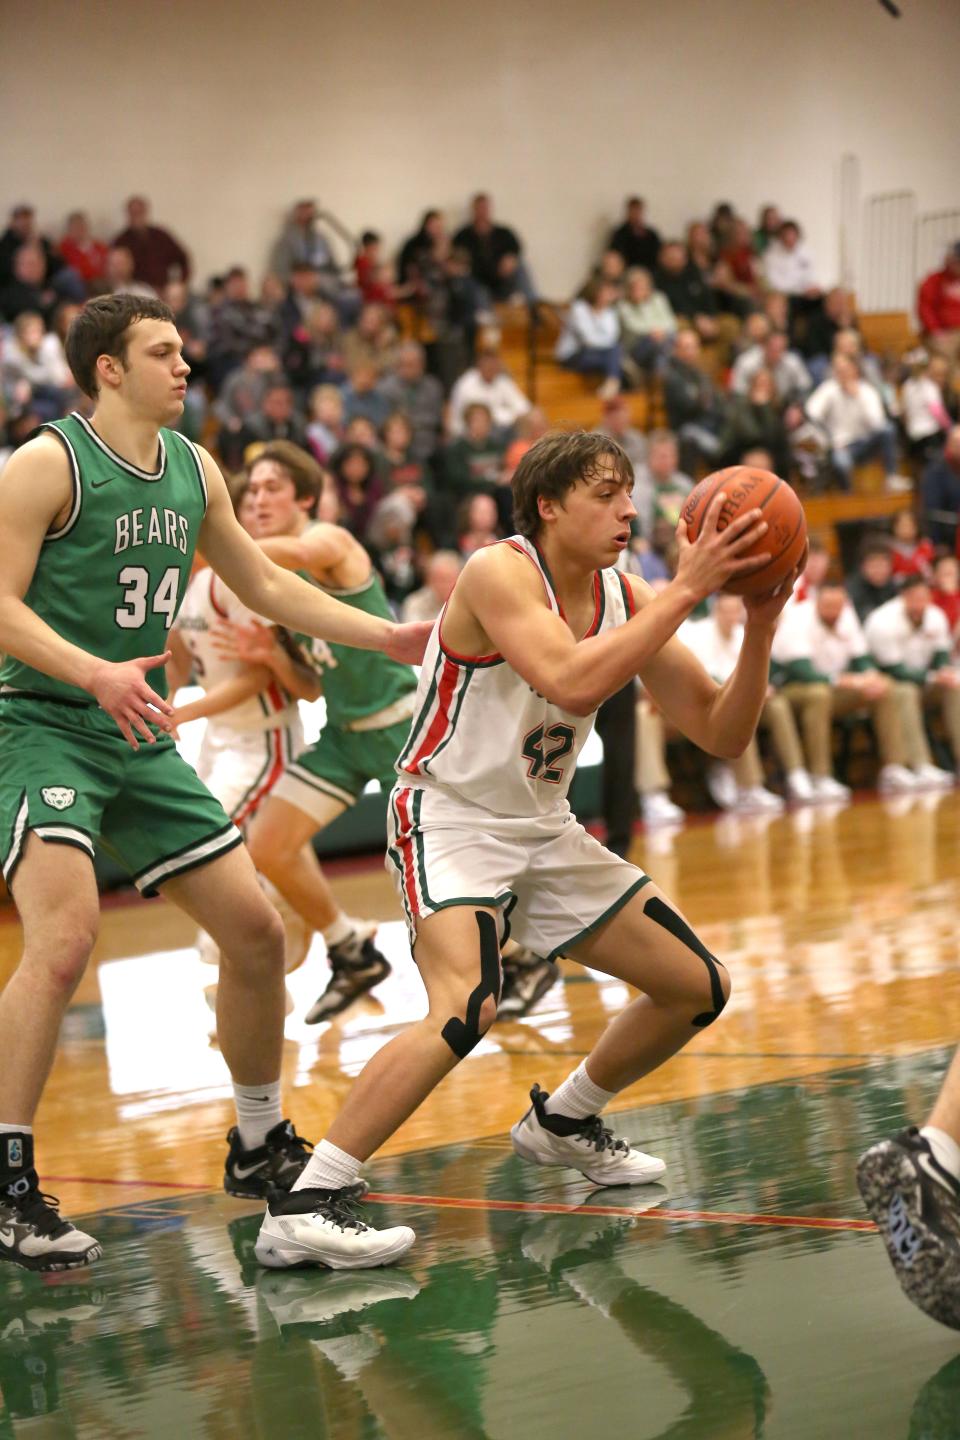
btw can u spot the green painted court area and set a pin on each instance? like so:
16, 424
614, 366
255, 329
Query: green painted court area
750, 1298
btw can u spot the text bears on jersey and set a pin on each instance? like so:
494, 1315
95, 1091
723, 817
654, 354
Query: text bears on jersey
144, 526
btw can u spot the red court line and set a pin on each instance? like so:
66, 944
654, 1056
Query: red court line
538, 1207
710, 1217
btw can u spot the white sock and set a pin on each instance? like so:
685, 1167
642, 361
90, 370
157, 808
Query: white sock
258, 1110
338, 930
944, 1147
16, 1129
578, 1097
328, 1169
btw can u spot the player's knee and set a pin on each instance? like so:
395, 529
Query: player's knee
61, 956
474, 1009
717, 996
258, 943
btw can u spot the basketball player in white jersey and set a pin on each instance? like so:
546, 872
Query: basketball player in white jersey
539, 630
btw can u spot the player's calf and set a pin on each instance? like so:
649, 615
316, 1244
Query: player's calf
716, 992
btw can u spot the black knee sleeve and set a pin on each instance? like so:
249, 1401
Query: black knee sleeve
659, 911
463, 1036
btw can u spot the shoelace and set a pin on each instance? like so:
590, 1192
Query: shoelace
339, 1209
41, 1211
601, 1137
295, 1147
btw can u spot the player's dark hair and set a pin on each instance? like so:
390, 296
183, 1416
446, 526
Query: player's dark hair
306, 474
102, 328
557, 462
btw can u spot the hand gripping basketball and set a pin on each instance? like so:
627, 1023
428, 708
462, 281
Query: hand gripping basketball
726, 497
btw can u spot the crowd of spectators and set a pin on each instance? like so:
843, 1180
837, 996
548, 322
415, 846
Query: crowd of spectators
754, 361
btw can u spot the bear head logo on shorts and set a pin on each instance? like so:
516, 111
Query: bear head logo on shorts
60, 797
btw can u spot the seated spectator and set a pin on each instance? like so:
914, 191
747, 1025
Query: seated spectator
776, 308
911, 552
119, 277
823, 325
911, 642
721, 225
375, 278
530, 428
609, 270
768, 228
634, 239
716, 641
790, 376
788, 265
694, 405
924, 413
417, 247
940, 495
654, 557
755, 419
314, 351
34, 370
241, 394
823, 667
450, 304
474, 462
388, 537
325, 427
647, 321
440, 575
589, 342
814, 573
617, 424
487, 383
938, 306
690, 296
401, 468
849, 342
945, 591
409, 388
85, 255
301, 294
22, 230
373, 341
478, 524
362, 395
850, 414
28, 287
157, 255
360, 430
359, 486
873, 584
301, 241
496, 255
237, 326
738, 268
659, 485
277, 418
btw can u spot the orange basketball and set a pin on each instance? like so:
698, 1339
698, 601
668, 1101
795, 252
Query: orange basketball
749, 489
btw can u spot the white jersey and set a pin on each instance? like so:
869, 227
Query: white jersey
206, 604
483, 735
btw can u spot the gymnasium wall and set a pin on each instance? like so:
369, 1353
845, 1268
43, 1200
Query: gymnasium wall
223, 112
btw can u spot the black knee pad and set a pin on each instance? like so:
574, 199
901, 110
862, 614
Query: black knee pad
463, 1036
659, 911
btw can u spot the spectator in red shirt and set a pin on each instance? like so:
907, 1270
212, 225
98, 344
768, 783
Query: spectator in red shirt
938, 305
157, 256
911, 552
81, 250
946, 588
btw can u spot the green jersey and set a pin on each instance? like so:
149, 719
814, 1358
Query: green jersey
357, 683
112, 577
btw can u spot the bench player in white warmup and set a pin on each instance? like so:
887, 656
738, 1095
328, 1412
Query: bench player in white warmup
539, 629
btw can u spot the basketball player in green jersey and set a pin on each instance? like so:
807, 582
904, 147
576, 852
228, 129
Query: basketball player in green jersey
369, 705
99, 520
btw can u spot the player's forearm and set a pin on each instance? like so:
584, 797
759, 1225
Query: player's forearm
602, 665
287, 600
227, 695
298, 680
28, 638
735, 710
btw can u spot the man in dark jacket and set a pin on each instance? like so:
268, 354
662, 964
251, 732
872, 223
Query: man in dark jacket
635, 240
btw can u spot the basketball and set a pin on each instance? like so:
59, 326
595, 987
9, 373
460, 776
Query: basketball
749, 489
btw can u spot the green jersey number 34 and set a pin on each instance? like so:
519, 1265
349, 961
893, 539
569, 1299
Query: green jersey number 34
134, 581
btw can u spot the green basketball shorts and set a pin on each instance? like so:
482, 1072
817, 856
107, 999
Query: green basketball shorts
339, 765
68, 775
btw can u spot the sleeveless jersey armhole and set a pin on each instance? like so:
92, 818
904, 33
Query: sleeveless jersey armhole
74, 515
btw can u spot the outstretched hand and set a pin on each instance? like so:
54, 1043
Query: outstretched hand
121, 689
407, 643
